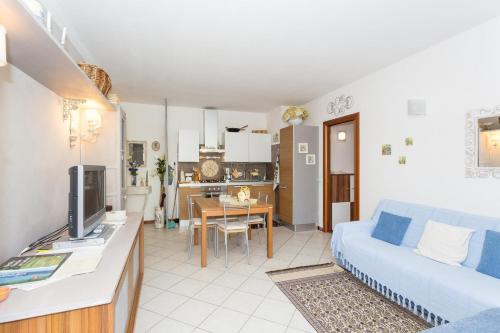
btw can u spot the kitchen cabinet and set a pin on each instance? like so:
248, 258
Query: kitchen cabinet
298, 192
259, 147
183, 205
236, 147
188, 146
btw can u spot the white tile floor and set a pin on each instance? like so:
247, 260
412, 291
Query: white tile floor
178, 296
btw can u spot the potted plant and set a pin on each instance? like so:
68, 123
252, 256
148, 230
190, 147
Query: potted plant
160, 171
295, 115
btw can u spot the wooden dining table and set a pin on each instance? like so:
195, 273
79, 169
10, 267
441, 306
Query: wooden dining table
211, 207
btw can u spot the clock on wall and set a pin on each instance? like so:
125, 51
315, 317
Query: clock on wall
209, 168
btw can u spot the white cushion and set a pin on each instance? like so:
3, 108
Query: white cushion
233, 226
254, 219
444, 243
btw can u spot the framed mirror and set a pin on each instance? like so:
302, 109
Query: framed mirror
482, 143
136, 152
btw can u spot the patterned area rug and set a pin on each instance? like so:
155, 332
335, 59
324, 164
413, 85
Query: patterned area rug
333, 300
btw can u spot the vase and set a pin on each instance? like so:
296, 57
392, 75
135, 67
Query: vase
134, 180
159, 217
296, 121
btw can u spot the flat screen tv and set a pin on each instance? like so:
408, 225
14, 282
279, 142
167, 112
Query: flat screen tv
87, 196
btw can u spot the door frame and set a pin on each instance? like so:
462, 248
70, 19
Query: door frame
327, 212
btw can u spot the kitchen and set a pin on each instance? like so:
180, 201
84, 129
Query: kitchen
215, 160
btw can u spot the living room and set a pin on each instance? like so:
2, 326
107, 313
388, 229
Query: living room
212, 125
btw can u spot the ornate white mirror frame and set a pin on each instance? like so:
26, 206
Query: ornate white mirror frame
472, 168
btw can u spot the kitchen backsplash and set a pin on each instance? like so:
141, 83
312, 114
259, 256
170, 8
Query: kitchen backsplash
244, 168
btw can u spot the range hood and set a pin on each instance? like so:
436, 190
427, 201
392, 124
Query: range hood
211, 131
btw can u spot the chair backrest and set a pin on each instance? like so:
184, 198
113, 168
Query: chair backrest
244, 209
190, 204
262, 197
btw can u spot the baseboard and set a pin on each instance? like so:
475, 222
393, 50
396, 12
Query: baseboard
149, 221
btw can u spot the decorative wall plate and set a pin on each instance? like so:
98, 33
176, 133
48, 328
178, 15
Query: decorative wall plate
155, 145
209, 168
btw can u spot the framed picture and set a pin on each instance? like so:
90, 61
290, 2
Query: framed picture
386, 150
303, 147
311, 159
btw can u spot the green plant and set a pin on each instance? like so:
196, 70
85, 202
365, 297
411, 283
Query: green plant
161, 169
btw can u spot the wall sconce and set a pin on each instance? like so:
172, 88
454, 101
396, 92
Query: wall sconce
92, 121
71, 113
3, 46
341, 136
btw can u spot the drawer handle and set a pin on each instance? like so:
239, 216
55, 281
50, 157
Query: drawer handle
282, 186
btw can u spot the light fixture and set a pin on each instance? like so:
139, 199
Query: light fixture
71, 112
92, 122
341, 136
3, 46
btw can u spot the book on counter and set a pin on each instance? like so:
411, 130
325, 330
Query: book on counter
30, 268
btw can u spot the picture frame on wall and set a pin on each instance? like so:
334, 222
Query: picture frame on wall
311, 159
303, 147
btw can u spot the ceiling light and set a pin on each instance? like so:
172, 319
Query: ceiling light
3, 46
341, 136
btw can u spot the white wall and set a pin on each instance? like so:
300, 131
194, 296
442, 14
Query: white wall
455, 76
342, 152
35, 157
146, 122
192, 118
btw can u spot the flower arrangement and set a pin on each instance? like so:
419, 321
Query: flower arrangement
295, 115
133, 171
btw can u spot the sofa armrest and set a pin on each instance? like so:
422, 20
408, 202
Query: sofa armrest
346, 229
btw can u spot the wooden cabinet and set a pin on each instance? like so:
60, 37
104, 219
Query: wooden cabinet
236, 147
188, 146
183, 205
298, 192
259, 147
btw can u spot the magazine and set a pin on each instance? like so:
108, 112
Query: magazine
30, 268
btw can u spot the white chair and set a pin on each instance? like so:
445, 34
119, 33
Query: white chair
238, 227
195, 224
260, 219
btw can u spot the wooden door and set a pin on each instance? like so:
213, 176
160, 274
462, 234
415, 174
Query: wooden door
286, 175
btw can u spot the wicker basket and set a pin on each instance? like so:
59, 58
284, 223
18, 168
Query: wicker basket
98, 75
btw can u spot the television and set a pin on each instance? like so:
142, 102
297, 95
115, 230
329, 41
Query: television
87, 196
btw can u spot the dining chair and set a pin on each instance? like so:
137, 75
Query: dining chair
195, 225
260, 219
235, 227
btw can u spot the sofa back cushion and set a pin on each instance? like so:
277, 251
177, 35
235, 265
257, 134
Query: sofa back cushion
420, 214
391, 228
490, 258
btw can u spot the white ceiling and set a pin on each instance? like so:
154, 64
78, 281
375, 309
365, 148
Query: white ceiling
256, 55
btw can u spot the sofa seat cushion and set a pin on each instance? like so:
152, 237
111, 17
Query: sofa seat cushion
452, 292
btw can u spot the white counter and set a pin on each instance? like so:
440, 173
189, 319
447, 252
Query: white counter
245, 183
79, 291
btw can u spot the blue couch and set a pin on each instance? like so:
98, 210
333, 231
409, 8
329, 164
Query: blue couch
438, 292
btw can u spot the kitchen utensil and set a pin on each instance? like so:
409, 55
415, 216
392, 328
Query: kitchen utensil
235, 174
235, 129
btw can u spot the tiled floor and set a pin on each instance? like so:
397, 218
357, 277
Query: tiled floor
178, 296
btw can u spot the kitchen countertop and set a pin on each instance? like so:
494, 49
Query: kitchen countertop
242, 183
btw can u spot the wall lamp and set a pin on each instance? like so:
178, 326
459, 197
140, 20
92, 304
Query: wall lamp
3, 46
341, 136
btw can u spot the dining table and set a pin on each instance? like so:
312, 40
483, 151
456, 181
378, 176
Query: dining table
212, 207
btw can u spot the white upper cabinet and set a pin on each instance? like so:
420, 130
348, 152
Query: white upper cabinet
236, 147
188, 147
259, 147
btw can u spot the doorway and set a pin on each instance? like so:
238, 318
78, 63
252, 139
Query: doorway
340, 171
